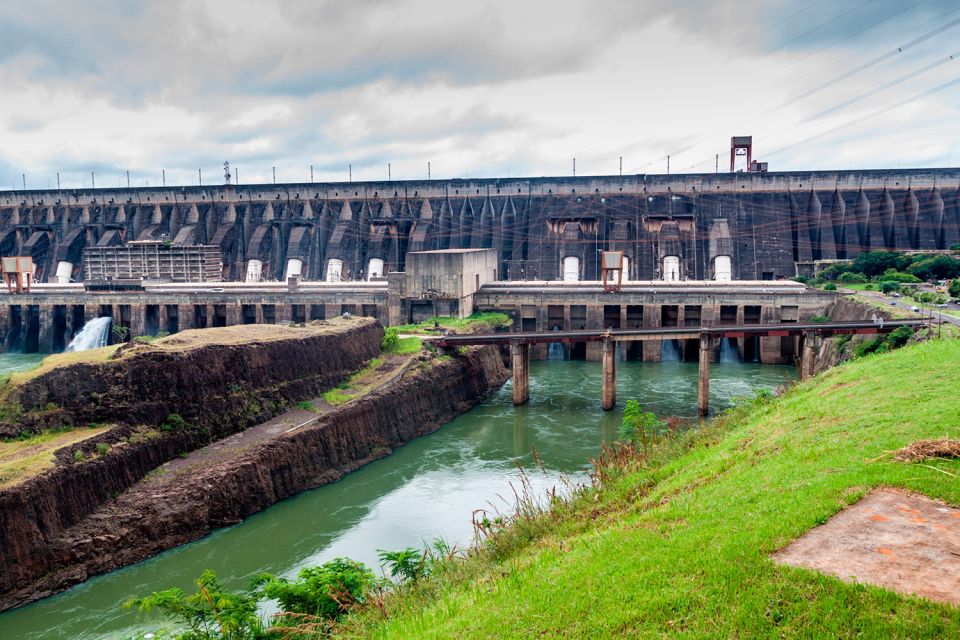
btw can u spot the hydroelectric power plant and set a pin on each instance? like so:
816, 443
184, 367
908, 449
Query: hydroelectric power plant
261, 303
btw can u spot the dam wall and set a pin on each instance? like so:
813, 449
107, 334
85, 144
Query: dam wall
769, 225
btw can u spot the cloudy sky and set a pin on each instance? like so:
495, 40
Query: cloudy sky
478, 89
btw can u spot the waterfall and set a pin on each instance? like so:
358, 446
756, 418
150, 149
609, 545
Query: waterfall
670, 351
555, 349
729, 351
95, 333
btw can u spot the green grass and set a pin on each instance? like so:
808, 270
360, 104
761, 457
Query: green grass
351, 387
26, 457
681, 547
477, 323
408, 345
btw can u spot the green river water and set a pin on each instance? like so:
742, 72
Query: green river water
427, 489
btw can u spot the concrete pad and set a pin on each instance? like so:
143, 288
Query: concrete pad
901, 541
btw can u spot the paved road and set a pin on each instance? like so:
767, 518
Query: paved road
904, 304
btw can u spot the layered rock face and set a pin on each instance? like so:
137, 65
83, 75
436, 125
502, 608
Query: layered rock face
216, 388
86, 519
218, 380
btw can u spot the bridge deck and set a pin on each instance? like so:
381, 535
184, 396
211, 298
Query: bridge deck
675, 333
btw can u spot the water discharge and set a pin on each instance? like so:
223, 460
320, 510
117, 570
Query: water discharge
670, 351
425, 490
728, 351
94, 334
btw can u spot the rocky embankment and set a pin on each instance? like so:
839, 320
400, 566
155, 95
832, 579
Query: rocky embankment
845, 309
82, 519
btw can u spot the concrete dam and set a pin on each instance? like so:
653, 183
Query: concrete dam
738, 226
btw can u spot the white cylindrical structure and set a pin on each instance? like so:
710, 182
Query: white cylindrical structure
334, 270
294, 268
722, 269
254, 271
64, 272
671, 268
625, 266
571, 269
374, 268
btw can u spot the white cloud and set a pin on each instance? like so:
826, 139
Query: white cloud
476, 89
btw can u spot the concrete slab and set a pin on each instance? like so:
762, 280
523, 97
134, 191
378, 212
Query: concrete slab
898, 540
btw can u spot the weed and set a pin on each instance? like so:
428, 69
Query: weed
306, 405
103, 448
78, 456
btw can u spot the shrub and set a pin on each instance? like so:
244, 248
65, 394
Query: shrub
888, 286
210, 613
391, 340
820, 318
851, 277
829, 287
328, 591
406, 564
174, 422
102, 448
638, 425
897, 276
78, 456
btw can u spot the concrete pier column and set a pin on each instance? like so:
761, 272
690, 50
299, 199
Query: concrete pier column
807, 354
608, 392
703, 382
520, 361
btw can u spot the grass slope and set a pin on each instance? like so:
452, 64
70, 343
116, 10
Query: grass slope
682, 549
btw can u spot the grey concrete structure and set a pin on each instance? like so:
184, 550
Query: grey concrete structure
769, 225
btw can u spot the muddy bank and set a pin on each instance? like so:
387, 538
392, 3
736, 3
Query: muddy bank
161, 512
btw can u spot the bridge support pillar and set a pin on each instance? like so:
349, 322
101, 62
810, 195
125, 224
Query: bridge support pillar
608, 393
807, 354
703, 382
520, 361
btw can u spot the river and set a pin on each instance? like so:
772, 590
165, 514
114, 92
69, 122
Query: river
427, 489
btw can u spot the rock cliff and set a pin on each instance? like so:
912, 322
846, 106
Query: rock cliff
57, 540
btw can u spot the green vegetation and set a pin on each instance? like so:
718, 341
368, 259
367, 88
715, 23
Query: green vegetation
211, 612
103, 448
352, 387
120, 332
829, 287
393, 343
890, 266
306, 405
31, 454
638, 426
174, 422
477, 323
676, 541
78, 456
328, 591
954, 289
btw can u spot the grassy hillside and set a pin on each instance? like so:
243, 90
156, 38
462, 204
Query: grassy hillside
681, 548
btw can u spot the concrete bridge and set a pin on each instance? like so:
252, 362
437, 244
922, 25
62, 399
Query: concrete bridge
809, 334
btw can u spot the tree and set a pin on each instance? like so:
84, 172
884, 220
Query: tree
889, 286
873, 263
954, 288
935, 267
